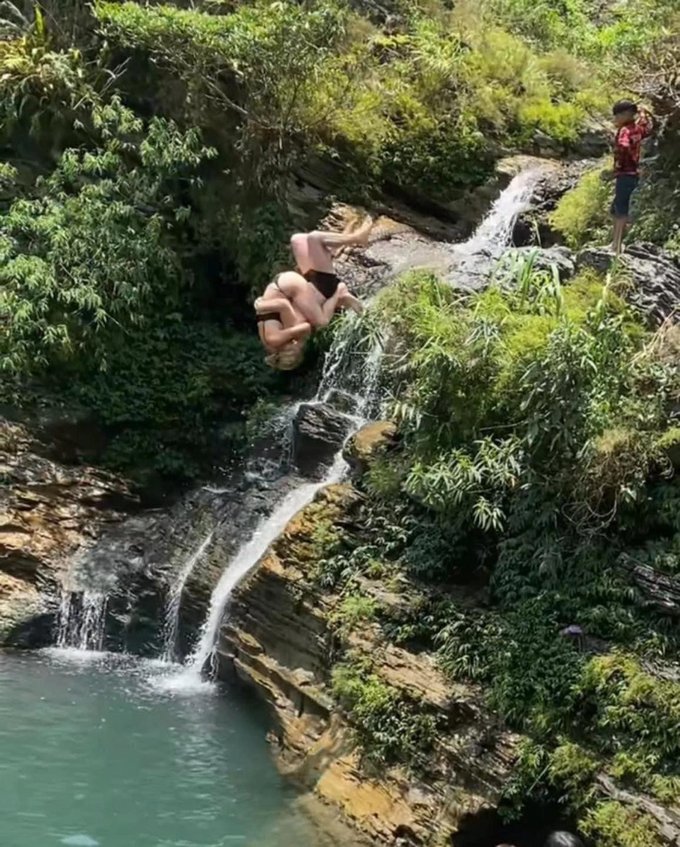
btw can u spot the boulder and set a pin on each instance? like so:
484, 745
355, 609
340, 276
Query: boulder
561, 258
343, 401
371, 441
533, 226
319, 431
654, 274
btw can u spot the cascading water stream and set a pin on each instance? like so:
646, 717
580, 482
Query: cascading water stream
351, 369
360, 383
82, 620
247, 557
174, 601
495, 231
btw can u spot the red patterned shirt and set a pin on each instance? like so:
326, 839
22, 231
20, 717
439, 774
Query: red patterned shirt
628, 146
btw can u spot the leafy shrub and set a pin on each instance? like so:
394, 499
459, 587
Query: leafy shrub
91, 255
354, 610
614, 825
390, 726
583, 214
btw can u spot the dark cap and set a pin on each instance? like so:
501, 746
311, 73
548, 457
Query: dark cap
563, 839
625, 106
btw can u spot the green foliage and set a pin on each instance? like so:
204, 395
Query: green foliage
417, 107
168, 389
391, 727
537, 426
583, 214
354, 610
385, 477
39, 86
90, 256
274, 55
615, 825
96, 296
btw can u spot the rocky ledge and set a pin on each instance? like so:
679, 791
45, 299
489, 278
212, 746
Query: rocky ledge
48, 511
281, 637
286, 637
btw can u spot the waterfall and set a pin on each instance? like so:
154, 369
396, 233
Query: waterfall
351, 374
352, 367
474, 259
495, 231
81, 620
171, 625
248, 556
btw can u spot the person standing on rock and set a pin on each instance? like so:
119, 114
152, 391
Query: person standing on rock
297, 302
633, 125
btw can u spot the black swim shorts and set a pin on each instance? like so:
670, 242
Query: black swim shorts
625, 186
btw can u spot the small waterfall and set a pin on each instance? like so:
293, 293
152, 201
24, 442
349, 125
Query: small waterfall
341, 371
495, 231
248, 556
171, 625
474, 258
351, 374
82, 620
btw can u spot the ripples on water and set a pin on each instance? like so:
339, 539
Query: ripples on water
101, 750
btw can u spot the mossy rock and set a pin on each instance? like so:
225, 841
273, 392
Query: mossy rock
370, 442
669, 445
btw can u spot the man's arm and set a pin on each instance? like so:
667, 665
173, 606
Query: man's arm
276, 304
280, 337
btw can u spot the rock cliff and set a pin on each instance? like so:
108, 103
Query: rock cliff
280, 638
48, 511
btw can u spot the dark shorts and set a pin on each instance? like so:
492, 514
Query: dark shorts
625, 186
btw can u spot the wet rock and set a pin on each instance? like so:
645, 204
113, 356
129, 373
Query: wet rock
48, 511
532, 227
343, 401
140, 561
654, 274
72, 435
20, 603
561, 258
592, 142
370, 442
319, 432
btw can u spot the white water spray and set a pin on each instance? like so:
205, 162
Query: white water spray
248, 556
495, 231
82, 620
171, 626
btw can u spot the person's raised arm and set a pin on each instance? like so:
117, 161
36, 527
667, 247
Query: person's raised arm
646, 122
279, 337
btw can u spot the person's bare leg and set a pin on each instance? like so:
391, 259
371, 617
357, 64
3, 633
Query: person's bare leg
620, 225
355, 238
315, 250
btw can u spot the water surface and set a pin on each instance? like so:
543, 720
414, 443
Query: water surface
95, 752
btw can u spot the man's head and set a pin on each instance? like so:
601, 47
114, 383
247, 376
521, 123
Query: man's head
625, 112
563, 839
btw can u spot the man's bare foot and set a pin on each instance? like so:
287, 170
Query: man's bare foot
355, 305
348, 301
363, 232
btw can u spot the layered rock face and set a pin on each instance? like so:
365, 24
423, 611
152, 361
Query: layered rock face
278, 637
48, 511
